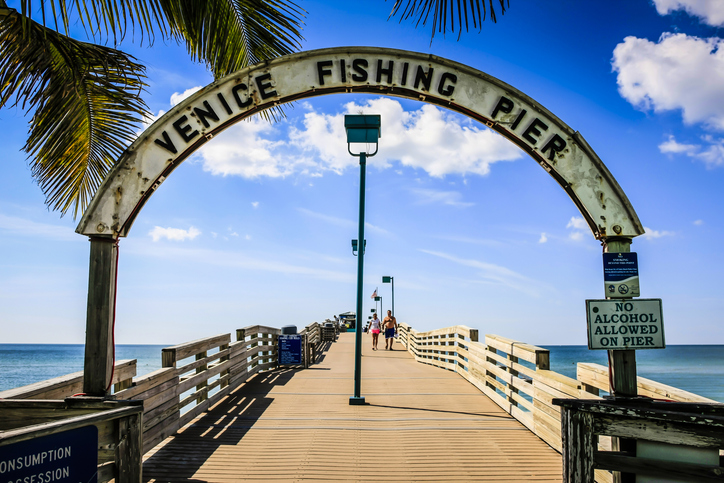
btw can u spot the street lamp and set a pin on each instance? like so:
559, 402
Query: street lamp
354, 247
379, 299
388, 279
361, 129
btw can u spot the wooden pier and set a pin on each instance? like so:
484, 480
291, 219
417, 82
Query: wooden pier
443, 406
421, 424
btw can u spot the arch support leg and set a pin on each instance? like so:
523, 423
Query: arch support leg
99, 350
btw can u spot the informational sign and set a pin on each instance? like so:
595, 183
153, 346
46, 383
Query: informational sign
625, 324
67, 457
621, 275
290, 349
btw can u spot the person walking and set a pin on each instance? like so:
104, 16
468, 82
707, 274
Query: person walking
375, 329
390, 325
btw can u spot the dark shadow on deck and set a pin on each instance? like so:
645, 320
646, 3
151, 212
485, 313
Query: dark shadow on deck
499, 416
216, 428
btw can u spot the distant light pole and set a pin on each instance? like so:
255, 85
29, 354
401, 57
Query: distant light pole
388, 279
379, 299
361, 129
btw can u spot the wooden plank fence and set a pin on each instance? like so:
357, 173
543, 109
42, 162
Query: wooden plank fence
195, 376
517, 377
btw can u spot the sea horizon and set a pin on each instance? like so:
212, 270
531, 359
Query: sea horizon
697, 368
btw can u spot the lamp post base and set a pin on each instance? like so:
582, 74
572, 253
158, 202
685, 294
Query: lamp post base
357, 401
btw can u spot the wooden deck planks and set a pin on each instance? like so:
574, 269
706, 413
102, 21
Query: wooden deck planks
421, 424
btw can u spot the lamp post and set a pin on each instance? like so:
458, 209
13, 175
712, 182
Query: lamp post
379, 299
388, 279
361, 129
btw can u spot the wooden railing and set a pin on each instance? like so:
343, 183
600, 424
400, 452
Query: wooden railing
199, 373
596, 376
195, 375
70, 384
517, 377
118, 432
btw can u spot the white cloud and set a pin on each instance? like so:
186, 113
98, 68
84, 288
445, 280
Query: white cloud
579, 228
34, 229
543, 238
247, 237
428, 138
430, 196
243, 151
698, 222
678, 72
341, 222
710, 152
494, 273
577, 223
710, 11
255, 204
174, 234
177, 97
258, 261
673, 147
651, 234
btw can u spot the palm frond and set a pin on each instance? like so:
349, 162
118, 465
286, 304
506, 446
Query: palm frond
101, 18
443, 10
229, 35
86, 103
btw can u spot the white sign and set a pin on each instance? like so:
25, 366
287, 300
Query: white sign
625, 324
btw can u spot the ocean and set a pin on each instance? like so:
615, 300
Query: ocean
695, 368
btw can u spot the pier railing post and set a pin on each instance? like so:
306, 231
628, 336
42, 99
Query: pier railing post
623, 362
99, 350
622, 373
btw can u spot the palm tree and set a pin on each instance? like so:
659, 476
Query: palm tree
458, 12
85, 98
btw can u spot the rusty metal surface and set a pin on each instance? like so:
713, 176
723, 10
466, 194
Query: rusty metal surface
561, 151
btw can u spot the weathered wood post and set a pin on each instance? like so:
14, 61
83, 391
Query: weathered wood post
622, 373
623, 362
98, 366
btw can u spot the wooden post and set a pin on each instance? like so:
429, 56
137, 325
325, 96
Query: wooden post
129, 450
202, 368
623, 362
100, 315
622, 370
578, 443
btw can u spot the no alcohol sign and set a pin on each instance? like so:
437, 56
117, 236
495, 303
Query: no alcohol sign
625, 324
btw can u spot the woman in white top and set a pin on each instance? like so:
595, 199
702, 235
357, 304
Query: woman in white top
375, 328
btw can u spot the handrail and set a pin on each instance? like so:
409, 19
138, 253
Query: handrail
517, 377
195, 375
69, 384
596, 376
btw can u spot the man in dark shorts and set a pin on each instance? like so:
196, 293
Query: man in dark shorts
390, 325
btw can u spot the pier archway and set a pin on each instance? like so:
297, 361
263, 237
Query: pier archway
557, 148
560, 150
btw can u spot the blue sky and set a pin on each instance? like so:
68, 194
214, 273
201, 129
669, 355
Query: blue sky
256, 228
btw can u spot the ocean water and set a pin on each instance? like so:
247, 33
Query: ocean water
23, 364
695, 368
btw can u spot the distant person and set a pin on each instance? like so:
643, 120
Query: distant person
390, 325
375, 329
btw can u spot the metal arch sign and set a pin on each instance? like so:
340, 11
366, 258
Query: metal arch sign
562, 152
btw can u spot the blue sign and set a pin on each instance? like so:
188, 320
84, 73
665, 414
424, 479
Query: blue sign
290, 349
621, 275
67, 457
